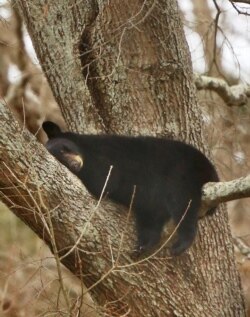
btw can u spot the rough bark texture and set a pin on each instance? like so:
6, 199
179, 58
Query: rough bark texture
136, 66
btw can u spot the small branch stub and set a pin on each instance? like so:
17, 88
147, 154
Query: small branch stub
215, 193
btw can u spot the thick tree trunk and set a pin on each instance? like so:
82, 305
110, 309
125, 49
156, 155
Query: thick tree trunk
133, 76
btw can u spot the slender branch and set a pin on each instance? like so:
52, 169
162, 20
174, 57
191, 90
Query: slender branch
216, 29
236, 95
239, 9
241, 1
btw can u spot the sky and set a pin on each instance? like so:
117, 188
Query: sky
236, 47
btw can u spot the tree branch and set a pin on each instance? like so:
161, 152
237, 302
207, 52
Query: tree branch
216, 193
236, 95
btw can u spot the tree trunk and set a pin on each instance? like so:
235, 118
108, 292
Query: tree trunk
119, 67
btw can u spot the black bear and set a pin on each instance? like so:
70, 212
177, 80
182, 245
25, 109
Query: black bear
167, 176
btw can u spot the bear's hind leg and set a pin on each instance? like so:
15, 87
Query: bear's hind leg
148, 234
186, 230
186, 235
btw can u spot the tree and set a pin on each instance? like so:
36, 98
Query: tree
120, 67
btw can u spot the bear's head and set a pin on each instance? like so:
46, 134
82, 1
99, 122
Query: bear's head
62, 147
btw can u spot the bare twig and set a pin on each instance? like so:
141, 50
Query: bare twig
216, 28
239, 10
241, 1
91, 216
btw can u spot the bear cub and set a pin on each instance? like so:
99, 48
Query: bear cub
167, 176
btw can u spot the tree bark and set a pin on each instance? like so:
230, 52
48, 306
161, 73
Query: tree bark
133, 76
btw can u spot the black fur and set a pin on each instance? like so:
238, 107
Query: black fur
168, 175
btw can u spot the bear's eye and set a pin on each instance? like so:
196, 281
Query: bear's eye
65, 148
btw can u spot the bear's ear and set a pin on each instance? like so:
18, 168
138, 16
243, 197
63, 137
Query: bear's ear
51, 129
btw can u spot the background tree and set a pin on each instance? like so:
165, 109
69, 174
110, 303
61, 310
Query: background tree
124, 68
